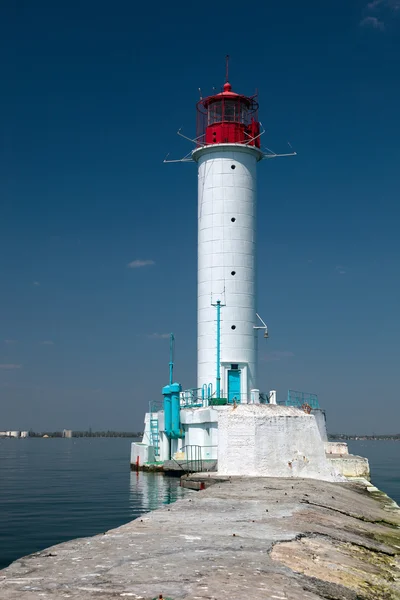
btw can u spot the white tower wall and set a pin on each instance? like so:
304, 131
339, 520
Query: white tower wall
226, 246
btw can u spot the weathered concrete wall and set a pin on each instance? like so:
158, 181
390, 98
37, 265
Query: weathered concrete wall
271, 441
350, 465
201, 429
146, 433
164, 446
320, 419
255, 539
143, 452
336, 448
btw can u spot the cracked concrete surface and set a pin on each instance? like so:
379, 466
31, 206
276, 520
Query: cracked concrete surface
281, 539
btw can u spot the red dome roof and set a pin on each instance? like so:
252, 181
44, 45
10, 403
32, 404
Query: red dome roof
226, 94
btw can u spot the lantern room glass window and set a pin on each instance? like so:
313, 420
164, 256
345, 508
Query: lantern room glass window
227, 111
230, 111
215, 112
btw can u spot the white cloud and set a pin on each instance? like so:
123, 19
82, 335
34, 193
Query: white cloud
10, 341
8, 367
137, 264
340, 270
373, 22
382, 8
391, 4
158, 336
47, 343
36, 283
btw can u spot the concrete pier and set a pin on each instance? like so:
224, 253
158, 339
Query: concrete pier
240, 539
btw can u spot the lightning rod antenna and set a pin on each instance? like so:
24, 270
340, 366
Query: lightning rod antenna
171, 358
227, 68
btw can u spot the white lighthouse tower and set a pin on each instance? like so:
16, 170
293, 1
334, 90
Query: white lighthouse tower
228, 138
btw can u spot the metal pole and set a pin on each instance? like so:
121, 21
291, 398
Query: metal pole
171, 358
218, 305
218, 347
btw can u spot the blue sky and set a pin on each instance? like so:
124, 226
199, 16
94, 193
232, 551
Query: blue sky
92, 96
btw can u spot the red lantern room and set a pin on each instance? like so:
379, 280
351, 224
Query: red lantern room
228, 118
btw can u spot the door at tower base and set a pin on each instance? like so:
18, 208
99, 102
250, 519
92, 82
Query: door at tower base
233, 386
267, 440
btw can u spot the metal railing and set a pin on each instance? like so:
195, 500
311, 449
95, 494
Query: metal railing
236, 399
193, 462
191, 398
206, 455
194, 458
299, 399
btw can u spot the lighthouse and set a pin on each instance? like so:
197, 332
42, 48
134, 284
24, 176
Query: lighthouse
225, 423
227, 153
226, 150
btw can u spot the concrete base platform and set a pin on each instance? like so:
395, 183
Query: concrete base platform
350, 465
261, 539
175, 467
347, 465
202, 481
156, 467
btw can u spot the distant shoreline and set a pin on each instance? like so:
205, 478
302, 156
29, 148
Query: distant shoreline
77, 434
341, 436
139, 434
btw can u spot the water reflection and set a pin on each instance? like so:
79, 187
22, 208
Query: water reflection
152, 490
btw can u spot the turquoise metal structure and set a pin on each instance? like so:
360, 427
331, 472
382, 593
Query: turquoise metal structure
167, 409
218, 305
154, 436
192, 398
233, 386
298, 399
175, 390
172, 405
171, 358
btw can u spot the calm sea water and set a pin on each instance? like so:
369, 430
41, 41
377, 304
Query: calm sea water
384, 461
53, 490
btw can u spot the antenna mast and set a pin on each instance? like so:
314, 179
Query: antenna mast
227, 68
171, 358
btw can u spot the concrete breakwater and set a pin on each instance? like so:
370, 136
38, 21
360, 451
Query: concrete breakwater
241, 538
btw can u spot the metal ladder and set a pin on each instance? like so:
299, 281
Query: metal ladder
154, 436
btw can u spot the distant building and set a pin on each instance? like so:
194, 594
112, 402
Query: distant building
24, 434
67, 433
13, 434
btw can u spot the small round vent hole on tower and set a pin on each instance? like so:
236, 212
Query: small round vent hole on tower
233, 219
233, 166
233, 327
233, 272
